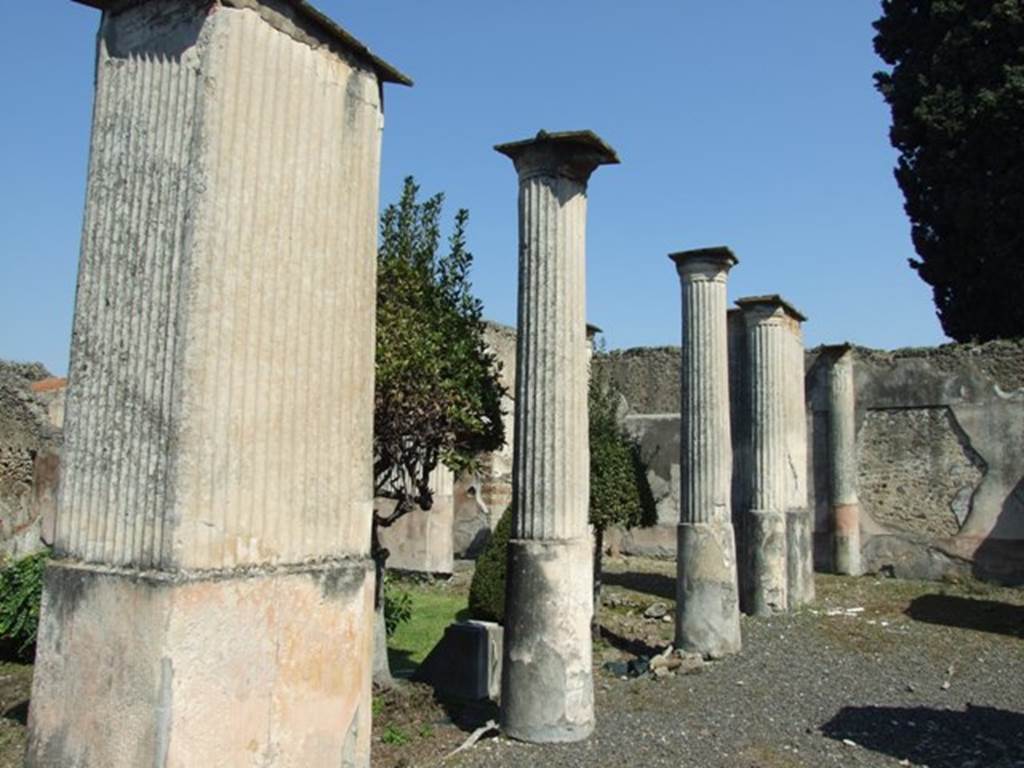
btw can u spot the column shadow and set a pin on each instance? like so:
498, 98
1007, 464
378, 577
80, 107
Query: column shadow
968, 613
977, 736
655, 584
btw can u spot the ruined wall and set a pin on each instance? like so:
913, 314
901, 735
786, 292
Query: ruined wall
480, 498
31, 412
648, 377
940, 450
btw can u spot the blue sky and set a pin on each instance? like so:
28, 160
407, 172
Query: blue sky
747, 123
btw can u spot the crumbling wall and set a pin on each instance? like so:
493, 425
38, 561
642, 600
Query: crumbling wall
648, 377
31, 413
940, 448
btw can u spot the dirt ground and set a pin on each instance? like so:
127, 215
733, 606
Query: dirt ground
877, 672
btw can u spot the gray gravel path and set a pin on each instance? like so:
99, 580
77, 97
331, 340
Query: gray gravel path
941, 687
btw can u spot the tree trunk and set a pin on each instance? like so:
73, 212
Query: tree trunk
598, 557
381, 666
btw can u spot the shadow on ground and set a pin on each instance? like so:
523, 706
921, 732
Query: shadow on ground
632, 646
982, 737
18, 713
655, 584
969, 613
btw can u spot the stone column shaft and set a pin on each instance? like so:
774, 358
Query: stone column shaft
843, 465
211, 597
766, 589
547, 685
800, 518
707, 609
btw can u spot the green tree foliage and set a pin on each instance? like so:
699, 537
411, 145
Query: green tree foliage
956, 91
619, 492
21, 590
438, 392
487, 589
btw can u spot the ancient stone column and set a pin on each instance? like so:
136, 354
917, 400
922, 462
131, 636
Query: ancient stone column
843, 463
211, 598
707, 600
547, 688
768, 347
799, 516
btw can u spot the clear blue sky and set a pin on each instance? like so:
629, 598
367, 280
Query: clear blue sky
747, 123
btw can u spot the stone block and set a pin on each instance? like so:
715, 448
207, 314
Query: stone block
250, 668
466, 663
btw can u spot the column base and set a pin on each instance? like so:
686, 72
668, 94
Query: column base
846, 539
768, 584
800, 557
226, 668
707, 592
547, 687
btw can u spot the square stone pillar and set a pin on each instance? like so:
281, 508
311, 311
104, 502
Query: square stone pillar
211, 598
842, 434
707, 592
547, 685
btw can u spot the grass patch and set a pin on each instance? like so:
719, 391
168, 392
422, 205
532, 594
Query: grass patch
433, 609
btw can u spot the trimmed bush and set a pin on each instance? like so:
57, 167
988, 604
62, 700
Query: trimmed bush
487, 590
21, 591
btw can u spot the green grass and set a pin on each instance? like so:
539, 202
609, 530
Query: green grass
433, 609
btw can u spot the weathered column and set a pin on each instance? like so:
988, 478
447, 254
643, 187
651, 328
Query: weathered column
843, 463
707, 600
547, 688
799, 516
768, 344
211, 600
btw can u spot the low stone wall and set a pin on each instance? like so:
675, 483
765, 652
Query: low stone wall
31, 415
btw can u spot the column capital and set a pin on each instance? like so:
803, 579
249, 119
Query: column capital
299, 19
704, 263
568, 154
760, 308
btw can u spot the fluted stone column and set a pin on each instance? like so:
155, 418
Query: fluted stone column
547, 687
768, 347
799, 516
843, 463
211, 597
707, 608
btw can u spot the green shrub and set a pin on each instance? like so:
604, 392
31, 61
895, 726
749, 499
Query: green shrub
21, 590
397, 607
487, 590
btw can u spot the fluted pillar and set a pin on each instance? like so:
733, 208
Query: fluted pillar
547, 685
843, 463
707, 599
211, 597
765, 524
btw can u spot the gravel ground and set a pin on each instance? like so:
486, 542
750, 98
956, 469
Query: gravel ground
878, 672
923, 675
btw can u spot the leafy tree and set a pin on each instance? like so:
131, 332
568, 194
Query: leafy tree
620, 494
956, 91
438, 392
487, 589
21, 591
